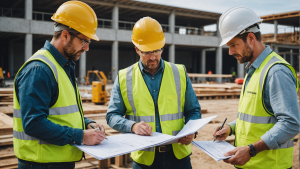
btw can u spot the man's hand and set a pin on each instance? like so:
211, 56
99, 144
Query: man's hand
96, 125
223, 133
186, 140
93, 136
241, 156
142, 128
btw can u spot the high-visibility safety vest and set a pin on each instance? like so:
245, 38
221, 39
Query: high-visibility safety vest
67, 111
254, 120
140, 105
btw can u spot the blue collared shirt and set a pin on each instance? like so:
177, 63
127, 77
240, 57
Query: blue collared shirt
116, 108
280, 97
37, 91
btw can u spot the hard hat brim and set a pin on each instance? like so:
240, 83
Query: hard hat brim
151, 47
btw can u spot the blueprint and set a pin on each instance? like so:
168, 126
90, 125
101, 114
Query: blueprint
129, 142
215, 149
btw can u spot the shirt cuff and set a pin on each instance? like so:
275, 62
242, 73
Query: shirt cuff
87, 122
129, 124
77, 136
269, 141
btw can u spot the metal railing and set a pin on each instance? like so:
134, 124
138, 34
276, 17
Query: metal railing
41, 16
11, 12
106, 23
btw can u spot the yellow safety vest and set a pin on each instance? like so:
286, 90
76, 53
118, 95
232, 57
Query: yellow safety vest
67, 111
254, 120
140, 105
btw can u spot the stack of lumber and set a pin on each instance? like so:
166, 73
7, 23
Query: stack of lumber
6, 96
217, 91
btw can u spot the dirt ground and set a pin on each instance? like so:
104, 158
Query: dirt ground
223, 108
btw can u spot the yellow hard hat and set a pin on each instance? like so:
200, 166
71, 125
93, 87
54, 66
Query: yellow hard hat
147, 35
79, 16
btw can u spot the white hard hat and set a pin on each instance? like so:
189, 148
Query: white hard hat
235, 20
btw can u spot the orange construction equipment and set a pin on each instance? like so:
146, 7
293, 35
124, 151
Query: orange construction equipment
99, 95
239, 80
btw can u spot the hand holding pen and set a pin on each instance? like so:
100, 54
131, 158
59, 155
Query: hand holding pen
97, 128
221, 132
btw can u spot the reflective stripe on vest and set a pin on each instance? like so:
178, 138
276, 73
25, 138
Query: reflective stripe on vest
53, 111
263, 73
165, 117
49, 62
256, 119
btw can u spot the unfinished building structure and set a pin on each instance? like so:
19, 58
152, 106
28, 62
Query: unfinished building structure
284, 41
25, 25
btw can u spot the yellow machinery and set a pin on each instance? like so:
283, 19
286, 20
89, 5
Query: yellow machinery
2, 82
98, 87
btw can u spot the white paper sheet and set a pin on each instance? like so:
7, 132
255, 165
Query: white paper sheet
126, 143
215, 149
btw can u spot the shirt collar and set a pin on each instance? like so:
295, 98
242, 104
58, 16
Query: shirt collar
56, 54
258, 61
161, 67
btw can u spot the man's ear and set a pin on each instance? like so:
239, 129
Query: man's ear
251, 37
65, 36
137, 50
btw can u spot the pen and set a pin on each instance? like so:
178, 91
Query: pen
221, 128
97, 128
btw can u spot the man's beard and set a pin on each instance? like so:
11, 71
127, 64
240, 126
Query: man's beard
70, 52
151, 67
247, 55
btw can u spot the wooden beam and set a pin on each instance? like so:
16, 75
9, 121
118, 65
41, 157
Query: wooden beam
281, 16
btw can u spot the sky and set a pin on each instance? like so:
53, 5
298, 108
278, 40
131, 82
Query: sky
260, 7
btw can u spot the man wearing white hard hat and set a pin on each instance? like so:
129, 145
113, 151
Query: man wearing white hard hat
268, 112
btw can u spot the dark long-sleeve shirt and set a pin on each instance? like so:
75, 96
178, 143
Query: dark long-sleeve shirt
37, 91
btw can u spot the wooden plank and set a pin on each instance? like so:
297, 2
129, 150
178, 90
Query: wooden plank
6, 103
103, 164
221, 94
7, 95
5, 120
6, 130
219, 86
7, 156
7, 142
7, 109
6, 90
119, 161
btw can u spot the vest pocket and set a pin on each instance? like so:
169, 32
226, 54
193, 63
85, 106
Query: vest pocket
172, 104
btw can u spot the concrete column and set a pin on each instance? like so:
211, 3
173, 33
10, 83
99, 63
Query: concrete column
275, 29
11, 58
172, 53
291, 58
115, 60
28, 46
203, 62
28, 9
82, 67
115, 17
115, 48
172, 22
240, 70
28, 36
275, 48
172, 31
219, 59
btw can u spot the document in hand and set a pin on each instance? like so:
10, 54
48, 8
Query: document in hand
215, 149
126, 143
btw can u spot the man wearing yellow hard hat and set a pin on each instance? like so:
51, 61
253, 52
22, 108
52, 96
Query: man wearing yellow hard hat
48, 115
154, 96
